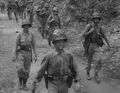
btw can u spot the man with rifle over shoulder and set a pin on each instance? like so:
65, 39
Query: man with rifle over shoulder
94, 35
58, 66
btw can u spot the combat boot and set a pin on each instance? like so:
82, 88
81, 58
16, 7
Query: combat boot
20, 84
88, 73
88, 76
96, 77
24, 84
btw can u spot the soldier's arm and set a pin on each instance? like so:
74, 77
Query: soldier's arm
15, 50
87, 30
43, 68
34, 45
74, 68
104, 36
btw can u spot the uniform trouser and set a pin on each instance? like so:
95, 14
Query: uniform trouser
43, 25
24, 65
57, 87
9, 13
50, 37
43, 30
16, 15
94, 55
2, 9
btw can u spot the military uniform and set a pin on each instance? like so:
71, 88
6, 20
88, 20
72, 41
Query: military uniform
22, 5
94, 35
53, 23
60, 69
25, 44
43, 14
2, 6
30, 9
9, 9
16, 9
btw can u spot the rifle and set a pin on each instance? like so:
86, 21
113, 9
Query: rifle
46, 80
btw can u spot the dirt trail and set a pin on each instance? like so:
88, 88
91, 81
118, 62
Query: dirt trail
9, 71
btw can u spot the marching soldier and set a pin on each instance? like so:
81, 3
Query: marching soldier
30, 9
16, 9
58, 67
53, 23
9, 9
94, 35
2, 6
24, 47
45, 12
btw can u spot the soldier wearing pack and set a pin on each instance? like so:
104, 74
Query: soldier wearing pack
94, 35
58, 67
16, 9
23, 51
30, 9
43, 14
53, 23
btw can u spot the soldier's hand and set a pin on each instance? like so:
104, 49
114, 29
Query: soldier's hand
14, 59
77, 86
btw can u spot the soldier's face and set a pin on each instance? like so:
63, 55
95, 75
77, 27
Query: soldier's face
26, 28
96, 20
60, 44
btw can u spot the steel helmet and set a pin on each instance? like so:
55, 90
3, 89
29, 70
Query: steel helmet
96, 15
46, 5
25, 22
55, 9
58, 34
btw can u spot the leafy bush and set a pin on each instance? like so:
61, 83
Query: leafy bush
83, 9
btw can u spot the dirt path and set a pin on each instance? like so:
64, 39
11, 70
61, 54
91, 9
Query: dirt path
8, 70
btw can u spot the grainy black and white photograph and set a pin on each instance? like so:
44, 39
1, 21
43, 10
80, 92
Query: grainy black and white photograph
59, 46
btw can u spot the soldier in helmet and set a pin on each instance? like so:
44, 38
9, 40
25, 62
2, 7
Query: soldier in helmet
94, 35
53, 23
29, 9
16, 9
58, 67
43, 14
24, 47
